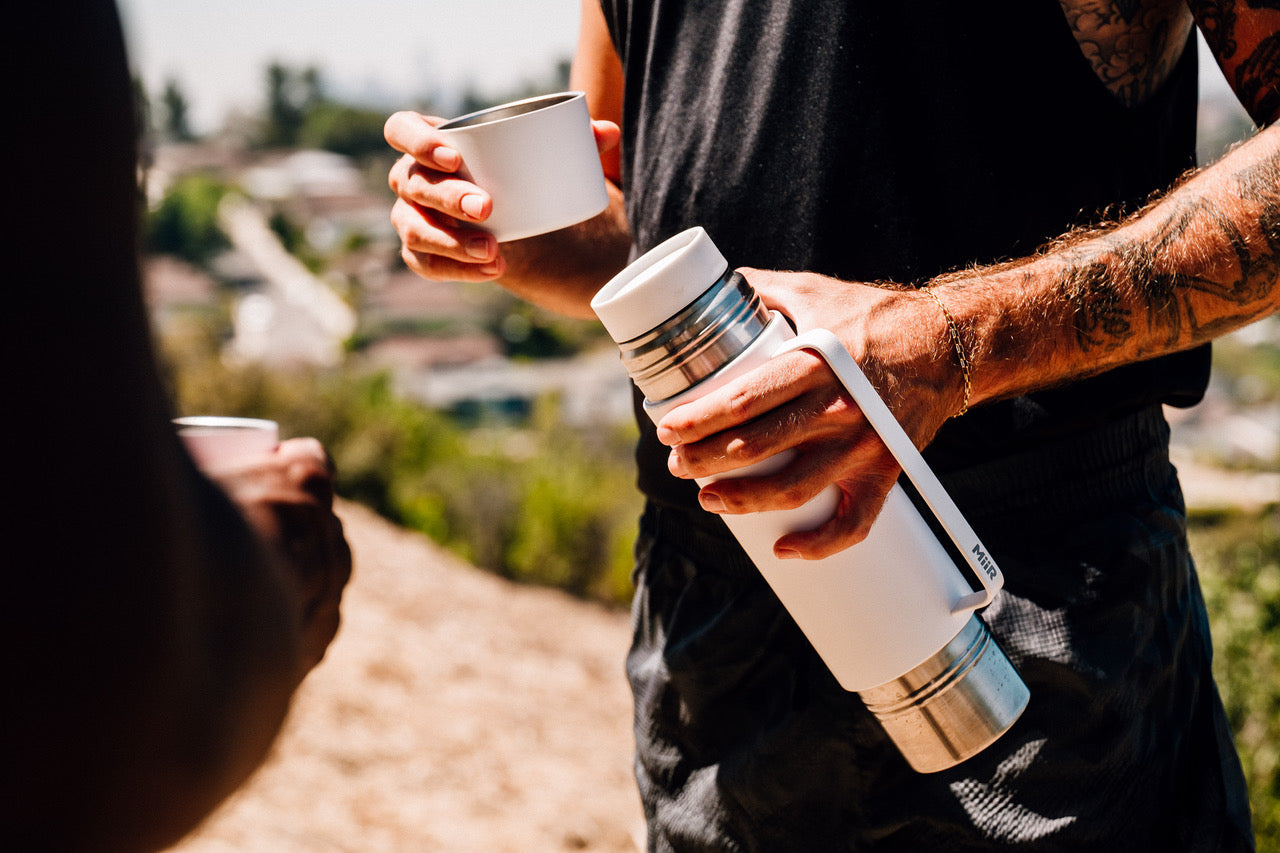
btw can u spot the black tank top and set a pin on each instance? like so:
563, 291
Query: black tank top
892, 141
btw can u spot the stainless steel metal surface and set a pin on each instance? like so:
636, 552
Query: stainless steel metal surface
953, 705
708, 334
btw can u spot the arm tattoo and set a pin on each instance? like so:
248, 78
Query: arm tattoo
1218, 24
1098, 313
1205, 270
1244, 36
1256, 78
1132, 45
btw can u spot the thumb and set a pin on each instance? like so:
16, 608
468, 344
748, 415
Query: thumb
608, 135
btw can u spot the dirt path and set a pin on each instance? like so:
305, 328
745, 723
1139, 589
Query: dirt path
455, 712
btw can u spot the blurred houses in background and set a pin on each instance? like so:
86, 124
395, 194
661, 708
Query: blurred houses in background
308, 272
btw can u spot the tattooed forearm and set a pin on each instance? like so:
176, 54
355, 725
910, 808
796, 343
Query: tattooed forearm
1199, 262
1132, 46
1205, 263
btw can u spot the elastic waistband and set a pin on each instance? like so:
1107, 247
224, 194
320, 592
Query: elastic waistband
1087, 473
1083, 475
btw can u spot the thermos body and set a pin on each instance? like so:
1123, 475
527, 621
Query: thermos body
863, 614
892, 617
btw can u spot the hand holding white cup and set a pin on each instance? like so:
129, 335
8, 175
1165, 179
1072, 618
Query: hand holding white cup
537, 159
218, 443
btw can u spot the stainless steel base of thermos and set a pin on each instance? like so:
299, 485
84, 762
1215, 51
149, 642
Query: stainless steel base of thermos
953, 705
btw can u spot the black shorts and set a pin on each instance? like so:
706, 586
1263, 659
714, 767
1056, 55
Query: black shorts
746, 742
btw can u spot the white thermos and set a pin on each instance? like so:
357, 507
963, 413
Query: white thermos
893, 617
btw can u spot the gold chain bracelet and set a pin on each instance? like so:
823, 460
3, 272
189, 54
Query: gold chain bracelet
961, 356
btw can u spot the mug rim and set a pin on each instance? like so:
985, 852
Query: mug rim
223, 422
510, 110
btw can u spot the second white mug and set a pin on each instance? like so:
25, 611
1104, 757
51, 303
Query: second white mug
216, 442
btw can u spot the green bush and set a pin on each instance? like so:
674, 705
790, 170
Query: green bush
534, 502
1246, 364
1238, 555
353, 131
570, 520
185, 223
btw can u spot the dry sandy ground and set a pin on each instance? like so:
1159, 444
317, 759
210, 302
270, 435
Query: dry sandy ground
455, 712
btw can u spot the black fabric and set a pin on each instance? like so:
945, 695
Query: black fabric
747, 743
892, 141
896, 141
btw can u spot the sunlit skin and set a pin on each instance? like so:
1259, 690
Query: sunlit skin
1194, 265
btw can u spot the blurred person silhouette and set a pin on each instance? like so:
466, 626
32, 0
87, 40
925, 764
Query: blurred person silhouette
994, 208
157, 622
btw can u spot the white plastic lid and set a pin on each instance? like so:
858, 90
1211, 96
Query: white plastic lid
659, 284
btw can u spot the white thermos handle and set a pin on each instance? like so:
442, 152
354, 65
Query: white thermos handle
948, 515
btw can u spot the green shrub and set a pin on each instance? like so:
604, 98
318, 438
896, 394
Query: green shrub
570, 521
534, 502
1238, 555
353, 131
185, 223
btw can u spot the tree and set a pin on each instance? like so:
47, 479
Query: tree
175, 125
141, 110
291, 94
353, 131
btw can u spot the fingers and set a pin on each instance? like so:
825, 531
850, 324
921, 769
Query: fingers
860, 503
863, 472
797, 476
438, 251
287, 497
608, 135
770, 409
304, 449
438, 214
312, 540
308, 465
791, 410
440, 191
415, 135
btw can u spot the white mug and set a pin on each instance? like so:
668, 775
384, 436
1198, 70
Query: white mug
537, 159
217, 442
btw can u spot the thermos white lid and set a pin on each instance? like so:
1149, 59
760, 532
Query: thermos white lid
659, 284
